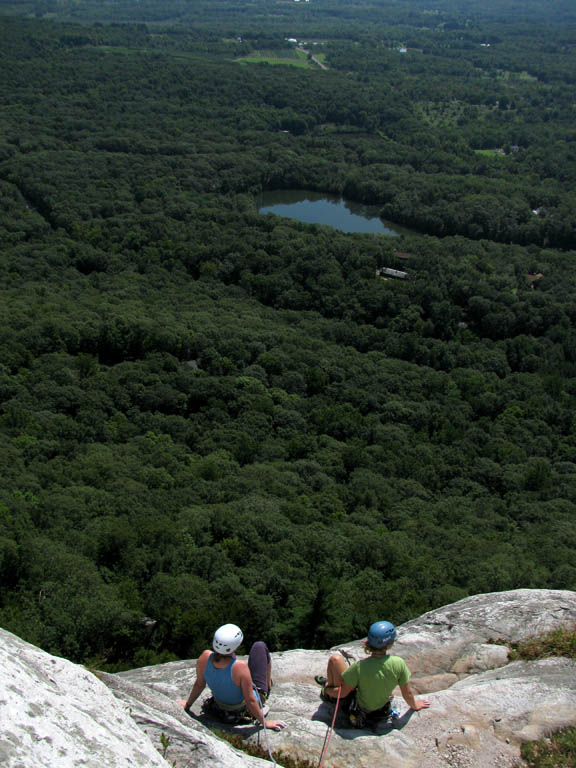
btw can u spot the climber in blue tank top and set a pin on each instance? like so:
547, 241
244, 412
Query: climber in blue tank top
225, 691
236, 686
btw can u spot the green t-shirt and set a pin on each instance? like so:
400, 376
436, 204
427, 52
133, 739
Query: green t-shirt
375, 678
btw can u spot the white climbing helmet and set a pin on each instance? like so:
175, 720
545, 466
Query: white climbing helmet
227, 638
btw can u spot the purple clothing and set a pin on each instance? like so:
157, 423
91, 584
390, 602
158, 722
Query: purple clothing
258, 661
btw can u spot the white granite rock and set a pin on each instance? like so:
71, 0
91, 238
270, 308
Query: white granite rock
57, 715
186, 742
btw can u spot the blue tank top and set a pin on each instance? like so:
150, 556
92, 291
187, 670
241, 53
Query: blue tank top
223, 688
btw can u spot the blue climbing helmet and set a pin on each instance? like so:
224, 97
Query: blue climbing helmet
381, 633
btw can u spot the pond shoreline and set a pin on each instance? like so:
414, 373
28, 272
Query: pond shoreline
327, 209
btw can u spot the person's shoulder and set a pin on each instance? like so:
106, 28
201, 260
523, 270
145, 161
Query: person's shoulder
202, 663
397, 661
352, 669
240, 671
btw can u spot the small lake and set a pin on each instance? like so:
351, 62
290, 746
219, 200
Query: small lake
330, 210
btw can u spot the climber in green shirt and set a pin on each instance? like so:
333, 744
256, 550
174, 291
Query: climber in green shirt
366, 686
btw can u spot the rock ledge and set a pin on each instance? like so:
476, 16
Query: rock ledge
56, 714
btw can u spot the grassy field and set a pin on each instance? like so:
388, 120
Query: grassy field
320, 56
489, 152
292, 58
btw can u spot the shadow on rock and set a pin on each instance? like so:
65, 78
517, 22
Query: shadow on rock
325, 714
243, 730
385, 726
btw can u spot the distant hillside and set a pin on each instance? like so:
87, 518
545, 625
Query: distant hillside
274, 13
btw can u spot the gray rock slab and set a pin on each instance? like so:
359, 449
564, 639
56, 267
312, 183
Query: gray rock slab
184, 741
479, 721
55, 714
481, 708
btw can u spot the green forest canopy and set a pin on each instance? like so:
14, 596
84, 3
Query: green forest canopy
209, 415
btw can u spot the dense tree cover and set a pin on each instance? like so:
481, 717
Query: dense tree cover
209, 415
453, 14
451, 137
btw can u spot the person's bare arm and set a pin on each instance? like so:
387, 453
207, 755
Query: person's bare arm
242, 677
408, 697
199, 683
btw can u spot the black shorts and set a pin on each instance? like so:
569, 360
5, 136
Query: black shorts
344, 703
359, 718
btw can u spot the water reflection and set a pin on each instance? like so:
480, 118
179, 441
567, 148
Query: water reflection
323, 208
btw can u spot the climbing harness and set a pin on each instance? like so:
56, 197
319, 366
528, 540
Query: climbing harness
356, 714
359, 718
330, 731
240, 715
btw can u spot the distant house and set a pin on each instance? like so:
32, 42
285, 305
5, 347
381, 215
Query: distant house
389, 272
534, 278
404, 255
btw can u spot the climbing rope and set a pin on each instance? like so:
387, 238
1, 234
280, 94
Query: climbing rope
264, 726
330, 731
349, 659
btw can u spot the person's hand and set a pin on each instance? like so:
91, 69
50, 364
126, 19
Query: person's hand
275, 725
422, 704
182, 703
